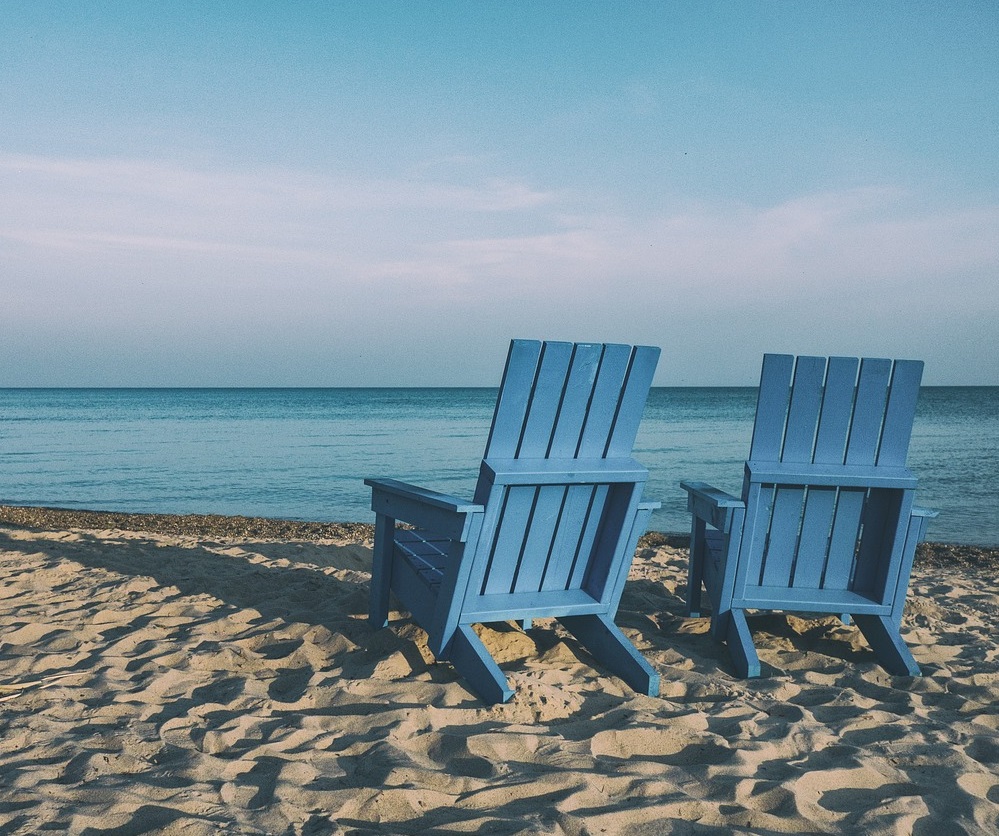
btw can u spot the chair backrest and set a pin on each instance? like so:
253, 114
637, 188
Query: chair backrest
561, 400
819, 410
569, 407
826, 486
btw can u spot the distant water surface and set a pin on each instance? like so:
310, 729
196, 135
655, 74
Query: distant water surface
303, 453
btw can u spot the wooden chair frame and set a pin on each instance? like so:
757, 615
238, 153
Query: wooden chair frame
827, 521
554, 523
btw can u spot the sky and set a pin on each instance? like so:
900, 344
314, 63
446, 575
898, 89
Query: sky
381, 193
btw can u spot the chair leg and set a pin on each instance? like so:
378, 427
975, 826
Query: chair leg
884, 638
474, 664
381, 571
695, 568
740, 645
611, 648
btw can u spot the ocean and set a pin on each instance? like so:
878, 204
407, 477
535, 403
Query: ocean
303, 453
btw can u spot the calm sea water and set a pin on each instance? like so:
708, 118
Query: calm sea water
302, 453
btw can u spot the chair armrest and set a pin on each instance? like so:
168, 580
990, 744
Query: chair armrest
439, 512
924, 512
715, 507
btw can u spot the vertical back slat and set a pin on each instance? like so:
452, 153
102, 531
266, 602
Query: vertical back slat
868, 412
603, 405
830, 448
546, 397
516, 390
759, 504
814, 545
576, 400
771, 407
837, 407
900, 413
591, 529
608, 570
538, 541
644, 359
843, 541
878, 518
565, 548
803, 413
509, 539
783, 541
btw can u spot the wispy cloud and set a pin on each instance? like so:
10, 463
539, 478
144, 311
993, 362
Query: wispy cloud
497, 237
66, 204
845, 238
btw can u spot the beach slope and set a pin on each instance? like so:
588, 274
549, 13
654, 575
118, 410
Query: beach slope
210, 675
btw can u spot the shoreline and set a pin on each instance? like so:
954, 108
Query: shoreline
220, 526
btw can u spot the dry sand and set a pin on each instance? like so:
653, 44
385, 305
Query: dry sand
221, 679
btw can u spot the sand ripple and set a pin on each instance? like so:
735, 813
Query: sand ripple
169, 683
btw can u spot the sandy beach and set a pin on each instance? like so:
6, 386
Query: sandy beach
211, 675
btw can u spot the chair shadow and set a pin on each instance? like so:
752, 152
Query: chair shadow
236, 580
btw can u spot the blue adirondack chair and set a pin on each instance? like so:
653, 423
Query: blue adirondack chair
553, 525
826, 522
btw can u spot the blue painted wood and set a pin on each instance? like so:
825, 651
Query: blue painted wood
632, 401
599, 633
740, 645
589, 536
900, 413
711, 504
868, 412
516, 390
540, 538
555, 520
620, 512
803, 413
883, 636
695, 566
617, 572
813, 543
837, 409
427, 509
471, 659
381, 571
759, 500
851, 476
576, 401
777, 557
771, 408
607, 388
846, 531
829, 522
807, 600
542, 414
508, 545
561, 472
567, 542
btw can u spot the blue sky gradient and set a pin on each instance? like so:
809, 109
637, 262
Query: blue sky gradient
384, 193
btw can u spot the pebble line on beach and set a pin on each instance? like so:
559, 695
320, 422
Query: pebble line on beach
213, 526
219, 527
